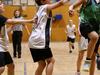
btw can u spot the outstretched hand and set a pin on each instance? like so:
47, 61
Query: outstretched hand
34, 20
71, 11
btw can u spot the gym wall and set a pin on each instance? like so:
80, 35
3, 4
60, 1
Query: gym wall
58, 27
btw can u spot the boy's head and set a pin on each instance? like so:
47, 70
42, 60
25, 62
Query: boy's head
70, 22
1, 7
42, 2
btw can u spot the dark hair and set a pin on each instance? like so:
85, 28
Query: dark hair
19, 14
38, 2
1, 1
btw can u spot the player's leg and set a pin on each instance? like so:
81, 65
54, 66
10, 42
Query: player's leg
40, 68
19, 44
79, 60
14, 42
70, 47
10, 70
2, 70
92, 67
9, 63
93, 36
50, 66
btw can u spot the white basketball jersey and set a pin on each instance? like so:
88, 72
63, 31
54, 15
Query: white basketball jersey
40, 33
4, 40
70, 31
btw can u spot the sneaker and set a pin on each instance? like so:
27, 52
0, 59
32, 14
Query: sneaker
86, 65
77, 73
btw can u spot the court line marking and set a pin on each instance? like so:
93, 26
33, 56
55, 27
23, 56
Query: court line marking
25, 69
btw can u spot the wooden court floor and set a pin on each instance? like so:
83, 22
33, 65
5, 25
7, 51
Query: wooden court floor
65, 62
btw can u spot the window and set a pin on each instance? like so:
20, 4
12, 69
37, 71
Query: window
16, 2
8, 2
31, 2
19, 2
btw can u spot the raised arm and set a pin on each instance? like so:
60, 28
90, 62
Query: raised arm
75, 5
15, 21
56, 4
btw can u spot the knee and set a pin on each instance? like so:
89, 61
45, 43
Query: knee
1, 70
51, 60
95, 37
42, 65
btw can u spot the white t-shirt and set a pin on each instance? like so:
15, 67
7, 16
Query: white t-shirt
18, 27
70, 31
4, 40
40, 32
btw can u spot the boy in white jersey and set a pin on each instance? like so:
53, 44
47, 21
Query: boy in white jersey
70, 31
40, 37
5, 58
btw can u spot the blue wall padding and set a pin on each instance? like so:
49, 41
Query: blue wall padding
58, 16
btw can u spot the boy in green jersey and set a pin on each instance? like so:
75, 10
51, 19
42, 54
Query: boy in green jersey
89, 28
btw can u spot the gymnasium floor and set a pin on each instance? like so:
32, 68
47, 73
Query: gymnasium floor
64, 65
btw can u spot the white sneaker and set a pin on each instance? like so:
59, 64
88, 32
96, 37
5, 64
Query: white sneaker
77, 73
86, 65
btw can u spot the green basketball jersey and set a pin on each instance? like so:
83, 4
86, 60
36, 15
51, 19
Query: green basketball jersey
90, 13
